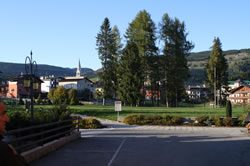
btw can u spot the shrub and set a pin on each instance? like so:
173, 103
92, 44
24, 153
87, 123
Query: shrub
134, 119
89, 123
167, 120
153, 120
18, 119
176, 120
202, 120
217, 121
228, 121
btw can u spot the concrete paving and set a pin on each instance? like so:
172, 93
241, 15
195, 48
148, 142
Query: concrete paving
123, 145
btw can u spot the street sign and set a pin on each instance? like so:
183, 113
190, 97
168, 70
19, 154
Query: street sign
118, 106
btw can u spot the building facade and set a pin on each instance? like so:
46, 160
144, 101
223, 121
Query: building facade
240, 95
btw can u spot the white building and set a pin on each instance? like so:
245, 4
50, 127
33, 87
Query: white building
78, 82
49, 82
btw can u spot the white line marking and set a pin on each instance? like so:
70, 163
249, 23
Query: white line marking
116, 153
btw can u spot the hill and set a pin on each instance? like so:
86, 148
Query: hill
238, 65
13, 69
238, 60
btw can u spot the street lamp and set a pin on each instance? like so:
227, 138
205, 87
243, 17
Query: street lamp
31, 69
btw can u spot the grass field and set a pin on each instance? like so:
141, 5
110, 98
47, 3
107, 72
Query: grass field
107, 112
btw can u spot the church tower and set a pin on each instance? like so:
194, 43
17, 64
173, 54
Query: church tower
78, 70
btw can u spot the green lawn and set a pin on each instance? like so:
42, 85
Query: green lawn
107, 112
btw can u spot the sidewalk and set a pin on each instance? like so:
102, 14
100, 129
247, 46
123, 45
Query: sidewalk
233, 131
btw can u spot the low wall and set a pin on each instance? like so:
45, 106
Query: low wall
40, 151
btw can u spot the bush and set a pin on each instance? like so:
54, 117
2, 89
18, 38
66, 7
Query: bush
167, 120
176, 120
152, 120
89, 123
217, 121
134, 119
228, 122
201, 120
18, 119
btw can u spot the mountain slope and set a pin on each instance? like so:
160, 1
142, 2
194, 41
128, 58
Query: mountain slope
14, 69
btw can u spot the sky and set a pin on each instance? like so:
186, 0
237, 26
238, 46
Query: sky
62, 32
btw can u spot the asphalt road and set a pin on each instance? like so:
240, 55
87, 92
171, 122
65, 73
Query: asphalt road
154, 146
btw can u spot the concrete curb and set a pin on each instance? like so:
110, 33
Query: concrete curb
43, 150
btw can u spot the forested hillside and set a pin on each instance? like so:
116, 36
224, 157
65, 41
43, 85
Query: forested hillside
13, 69
238, 61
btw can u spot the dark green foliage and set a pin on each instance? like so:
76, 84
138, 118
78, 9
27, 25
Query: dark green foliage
229, 109
61, 112
202, 120
89, 123
21, 118
228, 122
20, 102
216, 69
142, 32
176, 49
72, 95
131, 75
85, 95
153, 120
62, 96
18, 119
58, 95
107, 42
39, 99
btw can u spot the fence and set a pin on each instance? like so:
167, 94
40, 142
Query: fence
30, 137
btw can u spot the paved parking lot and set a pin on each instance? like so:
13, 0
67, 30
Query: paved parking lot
151, 146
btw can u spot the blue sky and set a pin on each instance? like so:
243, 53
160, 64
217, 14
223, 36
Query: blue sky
60, 32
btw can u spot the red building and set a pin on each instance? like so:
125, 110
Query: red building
20, 86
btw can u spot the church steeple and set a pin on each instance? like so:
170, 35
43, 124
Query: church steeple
78, 70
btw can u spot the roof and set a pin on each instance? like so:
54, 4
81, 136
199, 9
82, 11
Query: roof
71, 79
27, 76
240, 87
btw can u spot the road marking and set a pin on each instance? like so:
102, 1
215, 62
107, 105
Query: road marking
116, 153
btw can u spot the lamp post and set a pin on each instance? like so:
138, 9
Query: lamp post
31, 69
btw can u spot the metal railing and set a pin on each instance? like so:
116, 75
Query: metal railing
24, 139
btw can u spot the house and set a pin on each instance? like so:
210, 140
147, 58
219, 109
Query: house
78, 82
197, 93
240, 95
49, 82
3, 88
19, 87
237, 83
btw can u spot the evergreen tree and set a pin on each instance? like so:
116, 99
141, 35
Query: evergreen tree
174, 62
107, 49
216, 70
130, 77
142, 32
116, 58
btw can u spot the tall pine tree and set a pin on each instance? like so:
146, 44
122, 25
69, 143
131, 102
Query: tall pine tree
174, 63
130, 78
216, 69
142, 32
107, 50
